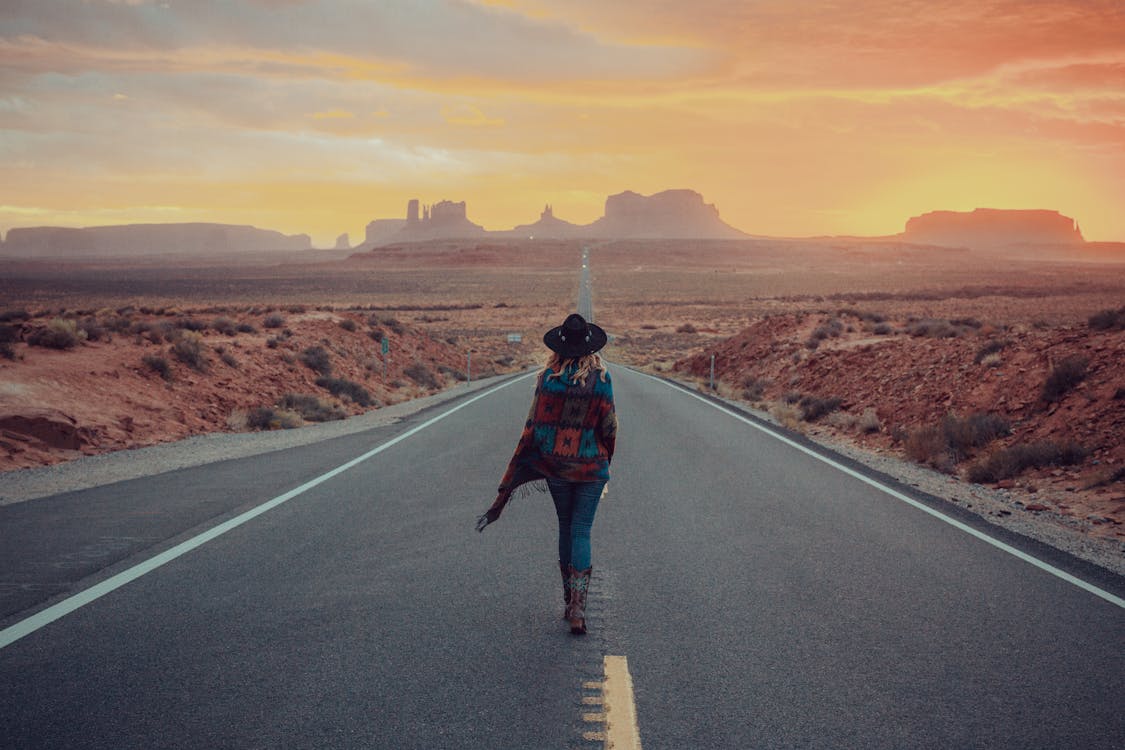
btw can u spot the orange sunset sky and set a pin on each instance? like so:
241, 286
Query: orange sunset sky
794, 117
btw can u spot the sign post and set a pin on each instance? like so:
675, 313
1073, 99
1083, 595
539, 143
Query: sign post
386, 355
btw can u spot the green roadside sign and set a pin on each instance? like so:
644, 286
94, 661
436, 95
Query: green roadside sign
386, 345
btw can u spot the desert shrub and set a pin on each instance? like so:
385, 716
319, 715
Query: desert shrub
686, 328
228, 359
992, 360
1108, 320
1063, 378
868, 422
159, 365
966, 323
452, 372
864, 315
348, 324
977, 430
396, 327
246, 328
317, 359
58, 334
157, 333
189, 349
376, 335
882, 329
953, 439
813, 408
269, 418
296, 309
787, 415
191, 324
225, 326
311, 408
990, 348
753, 389
9, 334
273, 321
272, 342
94, 330
421, 375
830, 329
7, 351
932, 329
117, 323
1012, 461
648, 327
1119, 394
346, 389
927, 445
9, 316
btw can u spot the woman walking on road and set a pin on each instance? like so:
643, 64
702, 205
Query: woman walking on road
568, 440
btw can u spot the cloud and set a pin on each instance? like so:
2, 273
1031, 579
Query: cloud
432, 39
469, 115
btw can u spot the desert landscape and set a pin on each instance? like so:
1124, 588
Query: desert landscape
1000, 368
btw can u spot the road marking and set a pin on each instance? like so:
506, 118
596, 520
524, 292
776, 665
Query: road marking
13, 633
620, 714
1047, 567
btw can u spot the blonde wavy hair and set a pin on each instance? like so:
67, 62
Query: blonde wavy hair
584, 365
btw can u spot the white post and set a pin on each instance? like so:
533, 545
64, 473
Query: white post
469, 369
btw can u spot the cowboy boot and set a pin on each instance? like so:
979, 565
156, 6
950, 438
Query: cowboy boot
578, 583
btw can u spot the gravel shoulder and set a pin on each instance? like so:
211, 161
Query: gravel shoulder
22, 485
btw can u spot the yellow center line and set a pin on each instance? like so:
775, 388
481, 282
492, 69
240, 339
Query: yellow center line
621, 731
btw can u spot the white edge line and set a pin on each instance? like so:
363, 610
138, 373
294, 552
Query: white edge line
905, 498
13, 633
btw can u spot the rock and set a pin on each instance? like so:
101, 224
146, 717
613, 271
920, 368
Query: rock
51, 427
671, 214
146, 240
986, 227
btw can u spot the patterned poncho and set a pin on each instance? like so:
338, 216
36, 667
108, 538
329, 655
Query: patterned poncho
570, 434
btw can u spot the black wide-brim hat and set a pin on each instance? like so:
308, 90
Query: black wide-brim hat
575, 337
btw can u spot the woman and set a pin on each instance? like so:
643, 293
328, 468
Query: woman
568, 440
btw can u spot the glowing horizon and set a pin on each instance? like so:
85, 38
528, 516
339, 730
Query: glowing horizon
794, 119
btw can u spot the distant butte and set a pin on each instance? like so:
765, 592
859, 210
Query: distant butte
135, 240
671, 214
992, 227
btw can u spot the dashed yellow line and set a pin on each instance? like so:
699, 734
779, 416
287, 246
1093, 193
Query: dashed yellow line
618, 716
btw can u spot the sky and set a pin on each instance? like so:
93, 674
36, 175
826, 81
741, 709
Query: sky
793, 117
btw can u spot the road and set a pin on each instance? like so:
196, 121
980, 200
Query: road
762, 598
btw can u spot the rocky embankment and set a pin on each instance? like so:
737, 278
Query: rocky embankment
74, 384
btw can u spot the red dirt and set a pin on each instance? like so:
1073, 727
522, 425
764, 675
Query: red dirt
100, 396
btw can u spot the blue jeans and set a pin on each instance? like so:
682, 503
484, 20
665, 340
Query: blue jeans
575, 504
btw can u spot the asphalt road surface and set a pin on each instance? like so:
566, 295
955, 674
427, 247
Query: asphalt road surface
762, 598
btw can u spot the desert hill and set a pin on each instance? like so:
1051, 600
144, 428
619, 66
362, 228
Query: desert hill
146, 239
991, 228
